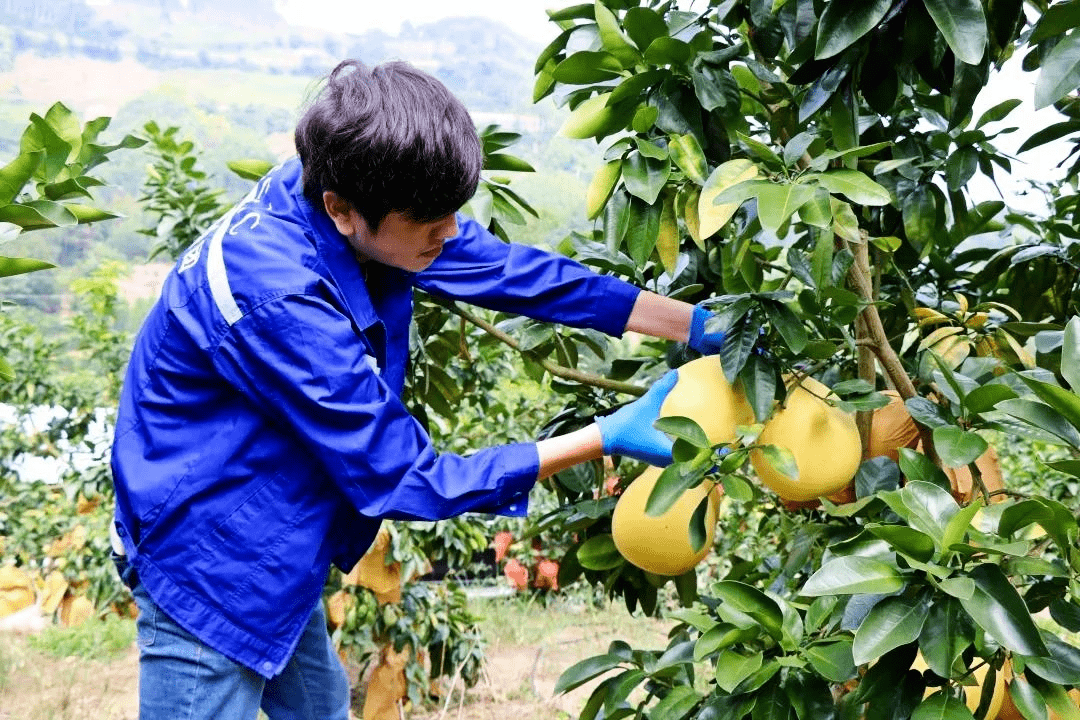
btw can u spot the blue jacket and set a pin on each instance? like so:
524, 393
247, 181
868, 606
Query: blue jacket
260, 433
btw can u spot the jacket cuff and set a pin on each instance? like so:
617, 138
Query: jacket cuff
613, 305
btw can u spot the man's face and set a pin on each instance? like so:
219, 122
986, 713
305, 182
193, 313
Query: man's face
403, 243
399, 242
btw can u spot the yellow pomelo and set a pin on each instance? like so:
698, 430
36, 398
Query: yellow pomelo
823, 439
703, 394
661, 545
972, 693
16, 590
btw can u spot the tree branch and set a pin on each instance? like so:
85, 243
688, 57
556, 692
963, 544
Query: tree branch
555, 369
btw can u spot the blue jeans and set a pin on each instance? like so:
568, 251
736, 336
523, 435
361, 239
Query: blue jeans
181, 678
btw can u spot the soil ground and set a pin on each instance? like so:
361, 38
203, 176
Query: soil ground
530, 644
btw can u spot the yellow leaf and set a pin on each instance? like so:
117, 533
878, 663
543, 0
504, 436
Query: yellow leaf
713, 217
667, 239
599, 190
688, 209
929, 316
976, 320
962, 302
937, 336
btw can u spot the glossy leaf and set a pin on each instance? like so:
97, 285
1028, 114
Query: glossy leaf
845, 21
642, 231
15, 175
963, 24
851, 575
667, 238
250, 169
893, 622
17, 266
591, 118
669, 487
600, 187
777, 202
1027, 699
1060, 73
732, 668
599, 553
958, 447
1062, 665
612, 38
751, 602
832, 660
644, 177
587, 67
906, 540
942, 706
686, 151
948, 631
854, 185
1070, 354
1057, 397
998, 609
581, 672
1043, 417
712, 216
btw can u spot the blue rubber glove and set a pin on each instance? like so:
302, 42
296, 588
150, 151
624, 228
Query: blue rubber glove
629, 430
705, 342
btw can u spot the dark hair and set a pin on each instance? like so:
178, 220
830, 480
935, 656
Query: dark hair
389, 138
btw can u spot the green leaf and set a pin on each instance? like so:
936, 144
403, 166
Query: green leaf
1070, 354
15, 175
926, 506
686, 151
778, 202
591, 118
669, 487
963, 24
587, 67
644, 25
920, 216
733, 667
722, 635
854, 185
645, 177
845, 21
853, 575
906, 540
787, 323
17, 266
958, 526
961, 166
759, 386
677, 703
948, 631
1027, 699
832, 660
985, 398
250, 168
942, 706
599, 553
958, 447
893, 622
612, 38
1062, 666
88, 214
1043, 417
506, 163
781, 459
749, 601
1057, 397
998, 609
1060, 73
643, 230
38, 214
1056, 698
581, 672
716, 89
683, 428
761, 151
6, 372
1057, 19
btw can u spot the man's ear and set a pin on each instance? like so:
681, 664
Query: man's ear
341, 211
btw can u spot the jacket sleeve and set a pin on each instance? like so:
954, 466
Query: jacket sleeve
302, 362
478, 268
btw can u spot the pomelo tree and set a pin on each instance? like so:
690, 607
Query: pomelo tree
809, 169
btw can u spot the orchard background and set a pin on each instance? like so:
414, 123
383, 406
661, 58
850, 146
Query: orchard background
838, 179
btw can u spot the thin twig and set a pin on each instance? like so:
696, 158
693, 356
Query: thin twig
580, 376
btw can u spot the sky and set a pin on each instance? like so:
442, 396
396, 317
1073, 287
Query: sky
525, 17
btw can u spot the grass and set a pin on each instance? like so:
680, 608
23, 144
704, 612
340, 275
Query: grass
89, 641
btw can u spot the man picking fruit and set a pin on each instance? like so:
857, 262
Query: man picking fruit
261, 435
